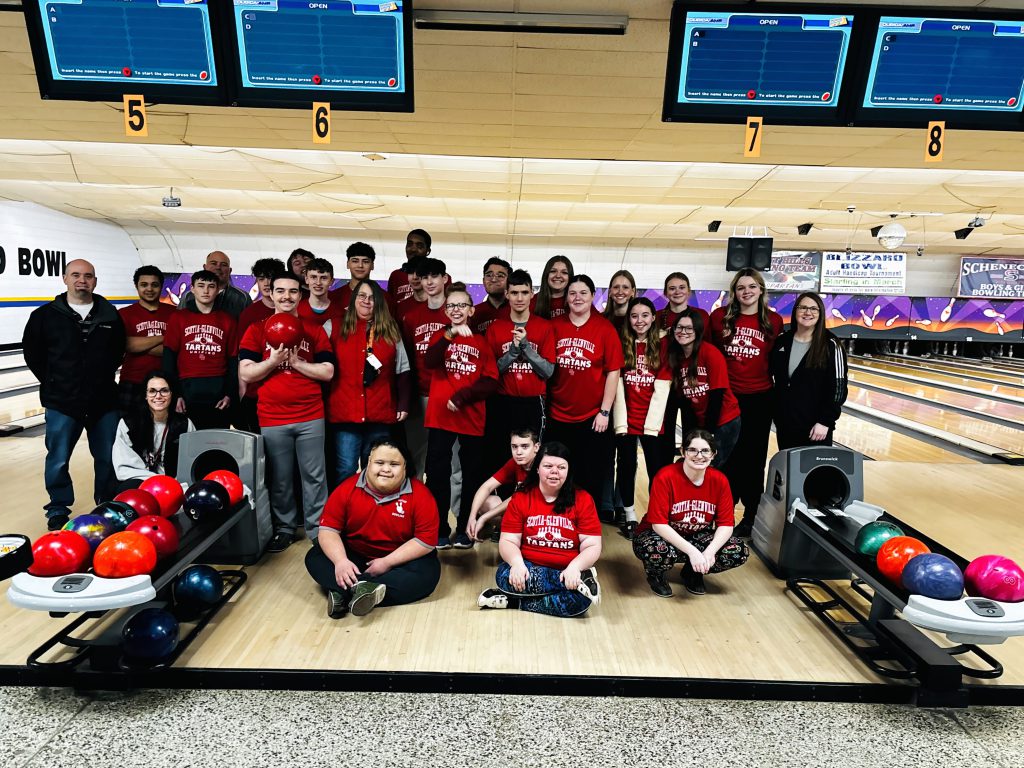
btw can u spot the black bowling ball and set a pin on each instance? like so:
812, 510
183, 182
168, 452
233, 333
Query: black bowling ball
207, 501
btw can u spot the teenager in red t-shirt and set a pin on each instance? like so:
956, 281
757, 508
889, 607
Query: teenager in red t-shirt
200, 360
745, 330
689, 518
550, 543
377, 538
463, 375
263, 270
496, 272
145, 323
359, 259
550, 302
588, 356
640, 404
417, 247
291, 413
621, 291
487, 503
321, 306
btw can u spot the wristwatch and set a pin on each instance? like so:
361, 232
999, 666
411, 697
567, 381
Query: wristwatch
604, 413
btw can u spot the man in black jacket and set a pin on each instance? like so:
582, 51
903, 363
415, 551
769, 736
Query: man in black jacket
74, 345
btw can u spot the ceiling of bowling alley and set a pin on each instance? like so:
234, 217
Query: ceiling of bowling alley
513, 135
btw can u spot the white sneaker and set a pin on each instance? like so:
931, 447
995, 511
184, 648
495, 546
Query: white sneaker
589, 586
492, 598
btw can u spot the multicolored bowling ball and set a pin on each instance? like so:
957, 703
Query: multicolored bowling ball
141, 501
117, 513
127, 553
150, 634
207, 500
933, 575
872, 536
59, 553
167, 492
232, 484
160, 531
92, 528
995, 577
198, 587
894, 555
282, 328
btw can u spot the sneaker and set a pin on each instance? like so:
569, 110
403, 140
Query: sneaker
443, 542
492, 598
693, 581
659, 586
280, 542
744, 529
56, 522
628, 529
496, 533
462, 541
589, 586
337, 604
365, 597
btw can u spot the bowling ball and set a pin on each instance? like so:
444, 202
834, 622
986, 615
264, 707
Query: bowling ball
152, 633
143, 502
933, 575
160, 531
894, 555
198, 587
117, 513
127, 553
93, 528
995, 577
207, 500
872, 536
232, 484
282, 328
167, 492
59, 553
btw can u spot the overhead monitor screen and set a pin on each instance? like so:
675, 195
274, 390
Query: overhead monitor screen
124, 42
947, 64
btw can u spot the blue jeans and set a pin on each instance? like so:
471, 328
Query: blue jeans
352, 445
62, 433
544, 592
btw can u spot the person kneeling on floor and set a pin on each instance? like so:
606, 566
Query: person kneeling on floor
550, 543
377, 538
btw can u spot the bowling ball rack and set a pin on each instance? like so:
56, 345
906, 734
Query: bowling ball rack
888, 637
90, 654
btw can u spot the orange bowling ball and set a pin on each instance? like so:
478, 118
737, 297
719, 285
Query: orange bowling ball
895, 553
124, 554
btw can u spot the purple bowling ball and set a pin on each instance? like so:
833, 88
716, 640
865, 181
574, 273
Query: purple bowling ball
933, 575
92, 528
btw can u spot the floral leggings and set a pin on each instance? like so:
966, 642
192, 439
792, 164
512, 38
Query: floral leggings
544, 593
658, 556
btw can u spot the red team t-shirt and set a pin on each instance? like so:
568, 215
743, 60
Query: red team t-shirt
466, 360
286, 396
139, 321
556, 304
419, 324
256, 312
510, 473
688, 508
666, 318
203, 343
486, 313
583, 357
747, 351
374, 527
334, 312
638, 387
519, 379
711, 374
549, 539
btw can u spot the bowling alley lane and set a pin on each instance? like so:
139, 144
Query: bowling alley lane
971, 381
882, 444
1015, 379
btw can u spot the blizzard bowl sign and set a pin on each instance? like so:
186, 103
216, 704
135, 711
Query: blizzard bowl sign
991, 278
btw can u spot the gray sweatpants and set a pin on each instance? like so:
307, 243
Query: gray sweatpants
284, 445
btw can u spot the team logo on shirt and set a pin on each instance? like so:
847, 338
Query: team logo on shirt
702, 387
202, 340
399, 510
462, 359
422, 335
285, 365
746, 343
151, 328
572, 353
519, 365
550, 531
691, 515
639, 377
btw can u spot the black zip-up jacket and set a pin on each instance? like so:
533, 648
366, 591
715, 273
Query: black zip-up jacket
813, 395
75, 359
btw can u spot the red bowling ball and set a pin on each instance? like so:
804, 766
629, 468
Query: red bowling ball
59, 553
128, 553
996, 578
160, 531
282, 328
167, 491
894, 555
141, 501
232, 484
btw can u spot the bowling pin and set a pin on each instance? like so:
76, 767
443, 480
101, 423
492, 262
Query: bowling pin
718, 302
954, 350
875, 311
254, 292
891, 320
868, 322
836, 313
1011, 351
926, 321
993, 314
945, 314
999, 328
906, 347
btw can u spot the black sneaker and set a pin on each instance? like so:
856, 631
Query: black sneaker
365, 597
628, 529
461, 541
56, 522
744, 529
659, 586
337, 604
280, 542
589, 586
443, 542
694, 582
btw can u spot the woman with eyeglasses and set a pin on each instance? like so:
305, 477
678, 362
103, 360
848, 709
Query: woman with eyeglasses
146, 443
809, 370
372, 385
689, 520
701, 383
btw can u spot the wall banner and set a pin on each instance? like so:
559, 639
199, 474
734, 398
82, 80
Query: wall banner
859, 272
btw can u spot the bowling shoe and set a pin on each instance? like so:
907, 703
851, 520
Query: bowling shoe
365, 597
493, 598
659, 586
337, 604
589, 586
693, 581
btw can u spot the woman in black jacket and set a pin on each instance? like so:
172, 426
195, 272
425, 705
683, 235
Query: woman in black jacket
808, 366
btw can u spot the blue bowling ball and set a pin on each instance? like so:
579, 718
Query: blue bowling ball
198, 587
933, 575
92, 528
150, 634
117, 513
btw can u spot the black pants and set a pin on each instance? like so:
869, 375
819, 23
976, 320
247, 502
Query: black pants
406, 583
130, 397
201, 395
439, 474
591, 453
243, 416
745, 467
787, 437
654, 459
505, 413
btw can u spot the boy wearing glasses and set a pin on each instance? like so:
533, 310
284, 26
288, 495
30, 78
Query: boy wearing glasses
496, 272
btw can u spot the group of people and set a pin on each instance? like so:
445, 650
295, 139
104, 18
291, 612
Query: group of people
383, 387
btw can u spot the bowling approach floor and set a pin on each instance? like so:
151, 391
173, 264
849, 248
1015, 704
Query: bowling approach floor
747, 638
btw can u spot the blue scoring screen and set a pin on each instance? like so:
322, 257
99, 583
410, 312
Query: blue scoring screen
335, 45
778, 59
921, 63
114, 41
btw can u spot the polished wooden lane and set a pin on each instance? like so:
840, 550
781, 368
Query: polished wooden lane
20, 406
883, 444
1000, 377
974, 383
974, 403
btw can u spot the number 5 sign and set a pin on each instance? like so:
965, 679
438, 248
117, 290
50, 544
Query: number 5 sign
135, 123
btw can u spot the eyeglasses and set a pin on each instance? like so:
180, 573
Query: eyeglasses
495, 275
705, 452
462, 305
365, 296
808, 310
154, 392
681, 331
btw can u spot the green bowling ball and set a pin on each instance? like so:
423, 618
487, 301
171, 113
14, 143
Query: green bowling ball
872, 536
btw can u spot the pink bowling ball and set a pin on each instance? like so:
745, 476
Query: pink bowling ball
995, 577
